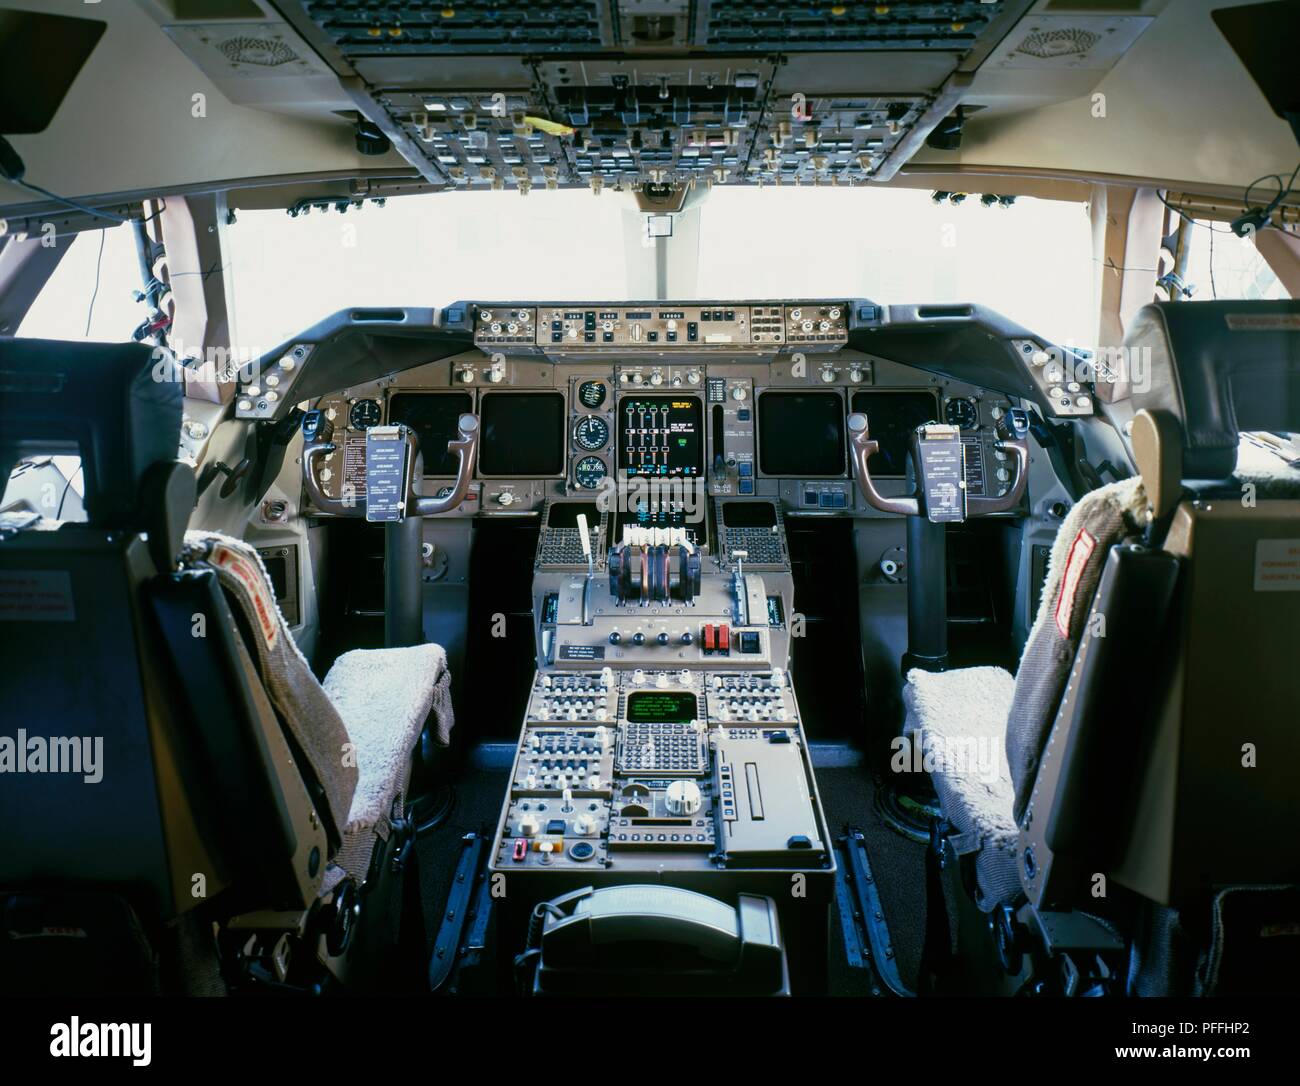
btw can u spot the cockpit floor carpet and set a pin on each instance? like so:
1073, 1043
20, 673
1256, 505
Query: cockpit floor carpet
898, 865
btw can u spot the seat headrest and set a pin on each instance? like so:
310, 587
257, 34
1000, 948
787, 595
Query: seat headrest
117, 405
1219, 368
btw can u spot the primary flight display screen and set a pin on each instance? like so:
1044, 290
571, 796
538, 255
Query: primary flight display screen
660, 435
801, 433
661, 707
523, 434
892, 417
433, 416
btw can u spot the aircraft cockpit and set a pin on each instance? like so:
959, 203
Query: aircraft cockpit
632, 500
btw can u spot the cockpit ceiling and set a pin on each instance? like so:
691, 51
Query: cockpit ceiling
650, 94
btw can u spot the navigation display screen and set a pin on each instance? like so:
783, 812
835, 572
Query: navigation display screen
523, 434
891, 419
660, 707
660, 435
801, 433
433, 416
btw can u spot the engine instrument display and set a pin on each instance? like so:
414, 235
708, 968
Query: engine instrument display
660, 435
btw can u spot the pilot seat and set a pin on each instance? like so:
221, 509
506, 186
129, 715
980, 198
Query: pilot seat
232, 792
1112, 805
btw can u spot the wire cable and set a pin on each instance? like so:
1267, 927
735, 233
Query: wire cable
85, 209
99, 260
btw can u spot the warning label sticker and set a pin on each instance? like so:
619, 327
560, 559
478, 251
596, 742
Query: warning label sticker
1277, 565
36, 595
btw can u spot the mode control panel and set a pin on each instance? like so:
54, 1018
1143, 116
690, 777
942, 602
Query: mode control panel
659, 326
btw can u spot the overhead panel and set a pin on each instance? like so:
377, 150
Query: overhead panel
636, 93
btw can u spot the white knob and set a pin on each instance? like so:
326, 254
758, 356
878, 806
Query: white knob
606, 677
656, 378
466, 376
506, 497
738, 393
828, 376
593, 782
584, 825
638, 677
684, 677
527, 826
661, 679
855, 375
682, 798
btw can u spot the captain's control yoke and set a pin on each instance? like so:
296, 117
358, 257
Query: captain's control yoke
394, 470
941, 497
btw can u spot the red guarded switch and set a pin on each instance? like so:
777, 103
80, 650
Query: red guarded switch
724, 638
710, 638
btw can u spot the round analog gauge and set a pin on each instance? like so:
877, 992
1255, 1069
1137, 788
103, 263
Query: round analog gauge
589, 472
591, 433
592, 393
962, 412
364, 414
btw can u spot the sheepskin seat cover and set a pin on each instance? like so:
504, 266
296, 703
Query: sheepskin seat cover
959, 720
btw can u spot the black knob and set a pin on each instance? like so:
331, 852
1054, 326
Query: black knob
687, 638
662, 638
615, 638
638, 638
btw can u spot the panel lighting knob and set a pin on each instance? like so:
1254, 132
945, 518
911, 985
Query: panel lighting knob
694, 377
738, 393
466, 376
506, 497
615, 637
584, 825
828, 376
656, 378
663, 638
855, 375
683, 798
527, 826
